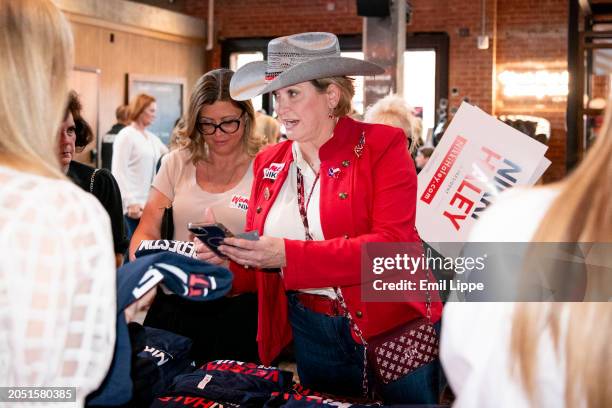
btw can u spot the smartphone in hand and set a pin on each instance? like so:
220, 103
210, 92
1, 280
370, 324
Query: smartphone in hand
212, 235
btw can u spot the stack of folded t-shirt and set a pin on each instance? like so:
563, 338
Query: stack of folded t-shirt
157, 357
229, 383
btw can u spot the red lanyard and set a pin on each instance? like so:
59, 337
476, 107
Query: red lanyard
304, 207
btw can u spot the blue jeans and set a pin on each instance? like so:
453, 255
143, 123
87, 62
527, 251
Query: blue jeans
329, 360
130, 227
131, 224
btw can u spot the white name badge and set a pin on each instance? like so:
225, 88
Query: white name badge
272, 171
239, 201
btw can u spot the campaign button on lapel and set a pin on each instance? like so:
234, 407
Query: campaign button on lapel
272, 172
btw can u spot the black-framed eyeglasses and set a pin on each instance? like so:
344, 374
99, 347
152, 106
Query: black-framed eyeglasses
227, 126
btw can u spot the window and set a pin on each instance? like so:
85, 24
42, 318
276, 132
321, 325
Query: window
420, 85
358, 98
237, 60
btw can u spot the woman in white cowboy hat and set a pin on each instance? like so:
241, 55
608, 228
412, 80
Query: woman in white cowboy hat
335, 185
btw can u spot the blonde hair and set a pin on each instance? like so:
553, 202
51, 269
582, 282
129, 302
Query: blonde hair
139, 104
210, 88
393, 110
268, 128
176, 140
347, 91
36, 51
582, 212
122, 113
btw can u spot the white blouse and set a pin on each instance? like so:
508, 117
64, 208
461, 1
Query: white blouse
57, 285
284, 220
135, 157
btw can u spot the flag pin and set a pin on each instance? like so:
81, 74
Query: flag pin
333, 172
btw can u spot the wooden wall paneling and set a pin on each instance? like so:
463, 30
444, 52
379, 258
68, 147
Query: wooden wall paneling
86, 45
112, 93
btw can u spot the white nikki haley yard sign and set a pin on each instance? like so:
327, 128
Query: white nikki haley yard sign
477, 158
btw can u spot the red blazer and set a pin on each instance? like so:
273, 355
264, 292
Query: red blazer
373, 199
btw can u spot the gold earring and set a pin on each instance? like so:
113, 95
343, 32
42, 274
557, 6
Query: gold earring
331, 114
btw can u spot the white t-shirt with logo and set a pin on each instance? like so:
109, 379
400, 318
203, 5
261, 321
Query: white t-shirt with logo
176, 180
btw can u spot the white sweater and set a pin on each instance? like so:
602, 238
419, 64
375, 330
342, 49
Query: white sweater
475, 341
57, 286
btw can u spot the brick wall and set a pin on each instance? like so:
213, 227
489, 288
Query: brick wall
532, 34
519, 30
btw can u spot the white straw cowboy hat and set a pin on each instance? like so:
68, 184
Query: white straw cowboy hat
294, 59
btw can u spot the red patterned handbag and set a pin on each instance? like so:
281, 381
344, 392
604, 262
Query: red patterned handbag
402, 350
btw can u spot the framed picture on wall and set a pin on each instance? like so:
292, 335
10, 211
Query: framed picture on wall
169, 93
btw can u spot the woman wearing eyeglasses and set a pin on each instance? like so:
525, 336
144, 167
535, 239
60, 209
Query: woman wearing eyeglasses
213, 170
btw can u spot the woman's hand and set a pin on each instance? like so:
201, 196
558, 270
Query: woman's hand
134, 211
267, 252
137, 310
203, 253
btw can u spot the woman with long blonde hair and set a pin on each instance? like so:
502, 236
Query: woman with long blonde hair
542, 354
57, 275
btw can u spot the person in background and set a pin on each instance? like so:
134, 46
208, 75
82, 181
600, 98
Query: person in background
541, 354
122, 114
422, 157
267, 128
393, 110
213, 171
57, 273
176, 140
74, 134
135, 155
336, 185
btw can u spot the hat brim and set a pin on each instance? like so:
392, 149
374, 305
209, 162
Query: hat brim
249, 81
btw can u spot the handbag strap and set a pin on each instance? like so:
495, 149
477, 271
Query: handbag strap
427, 293
303, 205
358, 332
91, 181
